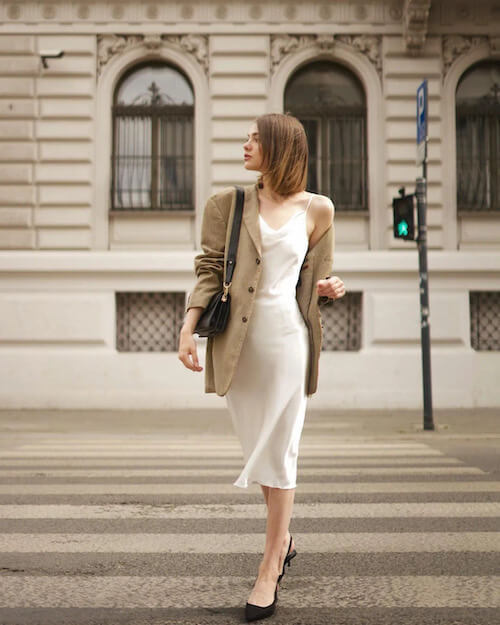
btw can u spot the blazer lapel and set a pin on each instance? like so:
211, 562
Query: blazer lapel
251, 216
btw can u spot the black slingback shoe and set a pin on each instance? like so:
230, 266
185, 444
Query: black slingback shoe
254, 612
288, 557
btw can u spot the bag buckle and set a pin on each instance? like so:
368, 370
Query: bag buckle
226, 291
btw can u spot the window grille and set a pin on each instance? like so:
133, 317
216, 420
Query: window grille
478, 138
149, 322
152, 159
330, 102
485, 320
341, 322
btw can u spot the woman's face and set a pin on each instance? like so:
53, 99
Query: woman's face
252, 149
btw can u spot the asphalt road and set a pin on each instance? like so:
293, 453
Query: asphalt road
110, 517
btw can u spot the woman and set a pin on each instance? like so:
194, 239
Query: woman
266, 360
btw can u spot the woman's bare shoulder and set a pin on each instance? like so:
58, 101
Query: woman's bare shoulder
322, 209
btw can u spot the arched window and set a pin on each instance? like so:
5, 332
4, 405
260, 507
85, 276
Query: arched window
152, 159
478, 138
330, 102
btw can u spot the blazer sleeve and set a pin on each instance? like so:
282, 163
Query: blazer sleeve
327, 261
209, 264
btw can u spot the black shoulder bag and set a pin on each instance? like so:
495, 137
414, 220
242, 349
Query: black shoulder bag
214, 318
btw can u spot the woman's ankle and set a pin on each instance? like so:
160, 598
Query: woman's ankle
268, 572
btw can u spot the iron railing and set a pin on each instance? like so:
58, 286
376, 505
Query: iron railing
152, 158
478, 159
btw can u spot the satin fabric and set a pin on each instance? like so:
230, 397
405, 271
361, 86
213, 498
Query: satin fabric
267, 397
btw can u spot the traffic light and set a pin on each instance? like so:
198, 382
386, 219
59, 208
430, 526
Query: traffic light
404, 221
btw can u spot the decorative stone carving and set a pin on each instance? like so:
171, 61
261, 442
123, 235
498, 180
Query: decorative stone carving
370, 45
456, 45
415, 17
152, 42
283, 45
197, 45
325, 42
111, 45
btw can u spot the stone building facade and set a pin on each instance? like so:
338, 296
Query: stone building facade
109, 152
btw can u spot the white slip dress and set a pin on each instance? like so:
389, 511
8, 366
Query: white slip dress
267, 396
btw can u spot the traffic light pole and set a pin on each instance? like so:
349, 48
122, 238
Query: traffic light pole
421, 196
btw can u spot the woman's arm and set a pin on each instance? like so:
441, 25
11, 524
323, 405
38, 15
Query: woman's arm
209, 264
209, 269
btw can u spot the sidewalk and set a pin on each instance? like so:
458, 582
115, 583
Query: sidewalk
471, 423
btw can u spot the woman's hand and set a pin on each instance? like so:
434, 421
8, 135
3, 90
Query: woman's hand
332, 287
188, 353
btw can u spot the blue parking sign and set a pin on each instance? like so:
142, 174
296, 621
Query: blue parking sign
422, 112
422, 123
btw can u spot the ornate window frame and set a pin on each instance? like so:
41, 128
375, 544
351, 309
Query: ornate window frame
477, 49
111, 72
366, 71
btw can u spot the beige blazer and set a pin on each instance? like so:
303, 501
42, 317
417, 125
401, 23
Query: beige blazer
224, 349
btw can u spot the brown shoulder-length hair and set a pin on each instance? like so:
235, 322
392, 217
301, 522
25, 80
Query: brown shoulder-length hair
284, 152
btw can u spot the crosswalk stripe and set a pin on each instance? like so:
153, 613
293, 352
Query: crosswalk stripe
224, 488
250, 543
304, 461
129, 592
250, 511
123, 473
201, 453
200, 443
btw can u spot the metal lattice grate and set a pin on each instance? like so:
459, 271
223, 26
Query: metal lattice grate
485, 320
149, 322
341, 321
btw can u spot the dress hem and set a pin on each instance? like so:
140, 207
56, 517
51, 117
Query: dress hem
269, 485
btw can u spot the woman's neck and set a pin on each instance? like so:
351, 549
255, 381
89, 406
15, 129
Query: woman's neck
267, 193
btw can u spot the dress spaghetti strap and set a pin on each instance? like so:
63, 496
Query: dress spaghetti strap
309, 203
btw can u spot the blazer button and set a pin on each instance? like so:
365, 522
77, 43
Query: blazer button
257, 260
250, 288
244, 319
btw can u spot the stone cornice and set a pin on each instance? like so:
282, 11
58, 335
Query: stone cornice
109, 45
214, 13
369, 45
415, 24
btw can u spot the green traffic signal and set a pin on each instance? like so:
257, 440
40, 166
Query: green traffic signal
403, 228
403, 217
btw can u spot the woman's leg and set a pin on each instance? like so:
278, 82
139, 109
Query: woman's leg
279, 511
265, 492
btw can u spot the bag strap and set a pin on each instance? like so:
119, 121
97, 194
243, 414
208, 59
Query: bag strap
235, 236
